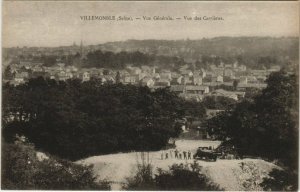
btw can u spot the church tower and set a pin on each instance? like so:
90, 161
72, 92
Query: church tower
81, 48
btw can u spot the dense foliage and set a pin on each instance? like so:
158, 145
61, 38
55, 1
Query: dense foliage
254, 52
75, 120
106, 59
119, 60
179, 177
281, 180
23, 170
266, 126
218, 102
8, 74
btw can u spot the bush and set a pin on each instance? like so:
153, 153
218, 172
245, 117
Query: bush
281, 180
182, 177
142, 180
22, 170
178, 177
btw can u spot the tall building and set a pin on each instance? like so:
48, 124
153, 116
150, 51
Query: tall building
81, 49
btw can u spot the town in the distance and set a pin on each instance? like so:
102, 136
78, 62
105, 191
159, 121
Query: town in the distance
193, 76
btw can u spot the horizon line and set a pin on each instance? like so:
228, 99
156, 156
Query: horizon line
150, 39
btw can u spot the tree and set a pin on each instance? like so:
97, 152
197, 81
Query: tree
49, 60
277, 110
182, 177
143, 178
8, 74
193, 109
267, 125
105, 72
198, 64
235, 84
218, 102
74, 120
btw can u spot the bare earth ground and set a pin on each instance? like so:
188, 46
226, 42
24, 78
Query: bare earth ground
228, 174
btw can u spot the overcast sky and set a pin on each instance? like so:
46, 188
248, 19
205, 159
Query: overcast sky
58, 23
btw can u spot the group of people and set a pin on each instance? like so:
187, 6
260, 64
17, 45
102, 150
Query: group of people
176, 154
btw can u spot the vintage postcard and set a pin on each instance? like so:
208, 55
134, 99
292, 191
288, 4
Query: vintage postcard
150, 95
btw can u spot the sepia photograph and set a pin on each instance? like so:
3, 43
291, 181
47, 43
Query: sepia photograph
150, 95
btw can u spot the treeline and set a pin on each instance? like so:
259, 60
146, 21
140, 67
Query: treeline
260, 62
220, 46
74, 120
254, 52
106, 59
50, 60
266, 126
119, 60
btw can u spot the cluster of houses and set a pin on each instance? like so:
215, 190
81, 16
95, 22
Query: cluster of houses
188, 83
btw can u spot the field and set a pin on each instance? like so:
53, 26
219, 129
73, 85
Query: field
228, 174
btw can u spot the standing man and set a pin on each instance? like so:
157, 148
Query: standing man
176, 154
167, 155
189, 155
184, 154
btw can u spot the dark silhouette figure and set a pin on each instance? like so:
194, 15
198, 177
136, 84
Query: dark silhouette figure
242, 165
184, 154
189, 155
176, 154
167, 155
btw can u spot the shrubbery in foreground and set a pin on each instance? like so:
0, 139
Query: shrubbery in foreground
179, 177
281, 180
21, 169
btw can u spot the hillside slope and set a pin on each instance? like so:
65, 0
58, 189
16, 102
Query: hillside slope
230, 175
